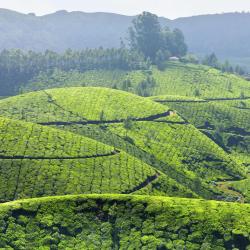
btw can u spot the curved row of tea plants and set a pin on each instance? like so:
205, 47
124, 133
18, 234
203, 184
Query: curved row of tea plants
226, 122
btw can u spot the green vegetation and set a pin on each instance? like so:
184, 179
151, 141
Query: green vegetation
78, 104
99, 162
18, 67
224, 121
147, 36
140, 127
40, 161
177, 79
123, 222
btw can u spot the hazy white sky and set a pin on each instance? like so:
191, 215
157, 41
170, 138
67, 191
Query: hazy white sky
167, 8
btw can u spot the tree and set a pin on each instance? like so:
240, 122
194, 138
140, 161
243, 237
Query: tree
145, 35
197, 92
126, 84
161, 58
128, 123
212, 61
179, 48
148, 37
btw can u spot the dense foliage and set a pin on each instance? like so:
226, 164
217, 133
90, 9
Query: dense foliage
212, 61
17, 67
123, 222
147, 36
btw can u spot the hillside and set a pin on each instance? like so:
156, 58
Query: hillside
137, 125
122, 221
40, 161
178, 78
204, 34
226, 121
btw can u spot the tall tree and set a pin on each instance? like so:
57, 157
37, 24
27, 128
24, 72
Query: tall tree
149, 38
145, 35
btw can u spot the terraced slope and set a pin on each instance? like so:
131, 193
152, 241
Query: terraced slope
178, 78
139, 126
40, 161
123, 222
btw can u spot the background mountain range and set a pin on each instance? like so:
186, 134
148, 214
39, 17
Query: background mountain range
225, 34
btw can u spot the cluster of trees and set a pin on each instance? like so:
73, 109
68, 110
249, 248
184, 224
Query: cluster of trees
154, 42
212, 61
18, 67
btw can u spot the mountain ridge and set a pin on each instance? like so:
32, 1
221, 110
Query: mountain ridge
223, 34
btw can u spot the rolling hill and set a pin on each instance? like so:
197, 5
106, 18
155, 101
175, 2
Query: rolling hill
123, 222
134, 124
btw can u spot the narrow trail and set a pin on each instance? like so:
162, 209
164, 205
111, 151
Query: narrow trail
23, 157
84, 121
97, 122
142, 185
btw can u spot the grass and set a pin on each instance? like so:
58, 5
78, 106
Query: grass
123, 222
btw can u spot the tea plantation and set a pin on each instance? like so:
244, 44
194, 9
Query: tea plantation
177, 79
145, 125
131, 169
123, 222
40, 161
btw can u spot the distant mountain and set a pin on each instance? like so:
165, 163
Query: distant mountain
225, 34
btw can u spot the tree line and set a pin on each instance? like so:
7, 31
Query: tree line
212, 61
18, 66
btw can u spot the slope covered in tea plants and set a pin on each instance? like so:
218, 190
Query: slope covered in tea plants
177, 79
79, 104
139, 126
226, 120
122, 221
41, 161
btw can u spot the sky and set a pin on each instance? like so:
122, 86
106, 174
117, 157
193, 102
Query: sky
167, 8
